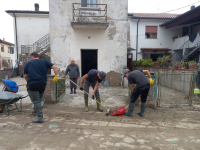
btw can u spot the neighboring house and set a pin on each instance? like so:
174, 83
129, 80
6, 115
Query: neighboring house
30, 28
94, 34
186, 45
6, 52
149, 39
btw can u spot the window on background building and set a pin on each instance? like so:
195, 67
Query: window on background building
11, 50
2, 48
91, 2
151, 32
8, 49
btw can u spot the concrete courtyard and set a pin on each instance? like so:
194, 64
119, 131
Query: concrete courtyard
162, 128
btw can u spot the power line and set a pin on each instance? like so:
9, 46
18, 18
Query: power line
150, 15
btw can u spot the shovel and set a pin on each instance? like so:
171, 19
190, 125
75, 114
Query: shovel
119, 111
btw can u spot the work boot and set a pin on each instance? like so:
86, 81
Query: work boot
141, 113
38, 109
98, 105
34, 112
86, 105
71, 91
74, 91
130, 110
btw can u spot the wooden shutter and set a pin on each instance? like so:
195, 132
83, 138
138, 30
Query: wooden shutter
151, 29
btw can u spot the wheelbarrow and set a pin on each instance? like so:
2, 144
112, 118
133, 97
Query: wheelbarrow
8, 98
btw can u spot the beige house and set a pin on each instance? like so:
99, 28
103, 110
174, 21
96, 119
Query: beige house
5, 54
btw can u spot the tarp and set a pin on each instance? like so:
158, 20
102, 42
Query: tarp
192, 37
9, 95
11, 84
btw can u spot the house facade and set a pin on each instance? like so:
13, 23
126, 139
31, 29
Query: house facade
31, 33
186, 45
6, 52
147, 38
94, 34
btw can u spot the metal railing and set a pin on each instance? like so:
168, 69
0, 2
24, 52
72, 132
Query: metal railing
94, 13
189, 52
26, 49
42, 43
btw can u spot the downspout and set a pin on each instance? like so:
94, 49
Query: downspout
16, 41
137, 40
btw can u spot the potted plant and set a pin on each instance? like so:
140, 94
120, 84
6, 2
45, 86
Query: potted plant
185, 65
192, 64
177, 64
135, 63
163, 61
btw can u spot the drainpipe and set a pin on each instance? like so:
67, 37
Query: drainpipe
137, 40
16, 41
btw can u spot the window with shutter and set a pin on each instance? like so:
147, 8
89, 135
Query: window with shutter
151, 32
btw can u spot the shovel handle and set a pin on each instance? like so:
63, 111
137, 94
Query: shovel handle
20, 85
87, 93
126, 107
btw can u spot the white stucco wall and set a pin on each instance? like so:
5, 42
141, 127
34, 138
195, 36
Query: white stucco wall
164, 36
67, 42
30, 29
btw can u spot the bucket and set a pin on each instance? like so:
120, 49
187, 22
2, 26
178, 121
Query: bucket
196, 91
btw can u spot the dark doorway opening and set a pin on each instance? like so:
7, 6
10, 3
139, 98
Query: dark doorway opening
88, 60
154, 57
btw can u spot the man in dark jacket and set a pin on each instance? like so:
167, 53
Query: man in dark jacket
74, 74
92, 78
142, 88
35, 73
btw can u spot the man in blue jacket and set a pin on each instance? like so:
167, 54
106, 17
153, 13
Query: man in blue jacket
35, 73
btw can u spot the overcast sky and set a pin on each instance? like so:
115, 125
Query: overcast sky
137, 6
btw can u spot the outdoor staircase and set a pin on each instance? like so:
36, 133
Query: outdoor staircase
41, 46
189, 52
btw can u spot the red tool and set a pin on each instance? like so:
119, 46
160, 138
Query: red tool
119, 111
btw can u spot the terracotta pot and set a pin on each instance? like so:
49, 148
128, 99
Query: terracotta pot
192, 65
176, 67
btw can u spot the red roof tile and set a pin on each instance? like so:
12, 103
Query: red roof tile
154, 15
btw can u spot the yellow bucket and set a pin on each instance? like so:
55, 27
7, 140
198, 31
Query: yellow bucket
196, 91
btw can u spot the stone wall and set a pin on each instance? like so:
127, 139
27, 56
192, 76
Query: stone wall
176, 79
4, 72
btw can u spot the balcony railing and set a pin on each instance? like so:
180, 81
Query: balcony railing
93, 13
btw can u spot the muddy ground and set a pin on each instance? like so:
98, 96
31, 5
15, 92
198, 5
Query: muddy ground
163, 128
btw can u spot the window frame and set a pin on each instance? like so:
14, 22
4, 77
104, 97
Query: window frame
9, 49
89, 6
151, 32
2, 46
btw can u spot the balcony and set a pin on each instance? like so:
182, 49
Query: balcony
91, 16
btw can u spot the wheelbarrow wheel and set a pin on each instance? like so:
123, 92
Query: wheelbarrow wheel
1, 108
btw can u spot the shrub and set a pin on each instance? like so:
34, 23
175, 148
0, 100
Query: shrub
147, 62
163, 60
192, 61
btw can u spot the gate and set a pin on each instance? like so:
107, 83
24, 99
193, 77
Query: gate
59, 89
176, 89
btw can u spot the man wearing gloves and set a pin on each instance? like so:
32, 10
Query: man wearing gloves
92, 78
35, 73
74, 74
142, 88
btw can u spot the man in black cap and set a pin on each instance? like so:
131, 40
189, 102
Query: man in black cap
142, 88
92, 78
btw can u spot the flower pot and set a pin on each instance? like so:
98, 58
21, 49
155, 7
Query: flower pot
192, 65
164, 66
176, 67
